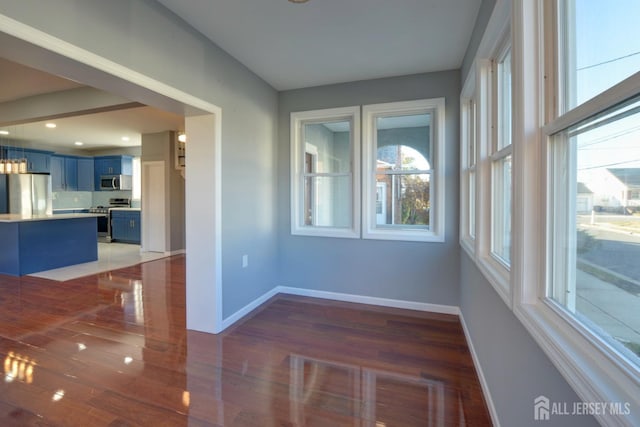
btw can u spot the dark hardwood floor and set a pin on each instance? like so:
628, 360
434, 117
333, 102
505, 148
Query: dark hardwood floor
112, 350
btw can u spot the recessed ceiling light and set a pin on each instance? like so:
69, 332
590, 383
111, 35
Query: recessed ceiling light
125, 138
298, 1
4, 132
79, 143
51, 125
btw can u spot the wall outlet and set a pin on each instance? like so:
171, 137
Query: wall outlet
245, 261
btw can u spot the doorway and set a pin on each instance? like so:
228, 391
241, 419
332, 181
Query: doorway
153, 207
34, 48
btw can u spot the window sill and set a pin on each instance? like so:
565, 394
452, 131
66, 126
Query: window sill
404, 235
326, 232
583, 362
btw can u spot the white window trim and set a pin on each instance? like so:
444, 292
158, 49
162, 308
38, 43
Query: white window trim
584, 360
351, 114
467, 209
494, 269
436, 232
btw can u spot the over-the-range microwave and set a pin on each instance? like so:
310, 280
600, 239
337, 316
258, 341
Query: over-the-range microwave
115, 182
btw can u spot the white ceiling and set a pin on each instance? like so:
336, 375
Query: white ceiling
288, 45
97, 131
331, 41
105, 130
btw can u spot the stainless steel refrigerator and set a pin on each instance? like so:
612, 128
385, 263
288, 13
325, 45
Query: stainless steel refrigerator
29, 194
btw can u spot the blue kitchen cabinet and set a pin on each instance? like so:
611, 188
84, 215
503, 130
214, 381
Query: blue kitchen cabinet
4, 205
125, 226
111, 165
71, 173
57, 173
85, 173
64, 173
38, 161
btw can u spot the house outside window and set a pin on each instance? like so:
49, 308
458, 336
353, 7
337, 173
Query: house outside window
402, 178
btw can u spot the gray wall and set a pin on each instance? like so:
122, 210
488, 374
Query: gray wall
160, 146
423, 272
515, 368
146, 37
484, 14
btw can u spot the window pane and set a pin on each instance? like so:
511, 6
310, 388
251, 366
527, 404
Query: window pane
472, 204
602, 46
501, 210
596, 228
403, 200
504, 101
328, 146
403, 142
327, 201
471, 150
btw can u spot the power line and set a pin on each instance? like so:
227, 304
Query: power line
610, 164
610, 60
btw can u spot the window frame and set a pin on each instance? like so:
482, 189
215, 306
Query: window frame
495, 269
436, 230
587, 363
482, 84
499, 149
468, 163
297, 121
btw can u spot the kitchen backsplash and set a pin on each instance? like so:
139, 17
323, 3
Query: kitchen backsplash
85, 199
72, 199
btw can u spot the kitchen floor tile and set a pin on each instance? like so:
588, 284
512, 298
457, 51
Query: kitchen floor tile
111, 256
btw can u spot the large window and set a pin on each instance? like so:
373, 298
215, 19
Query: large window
402, 186
402, 181
325, 166
486, 162
594, 270
576, 158
594, 152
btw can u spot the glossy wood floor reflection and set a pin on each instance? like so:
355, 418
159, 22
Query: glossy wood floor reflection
112, 350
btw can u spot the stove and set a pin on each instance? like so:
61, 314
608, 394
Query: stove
103, 211
99, 210
115, 202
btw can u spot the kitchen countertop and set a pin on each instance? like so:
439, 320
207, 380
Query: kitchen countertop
25, 218
125, 209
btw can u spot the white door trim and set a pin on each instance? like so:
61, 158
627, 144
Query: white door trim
204, 312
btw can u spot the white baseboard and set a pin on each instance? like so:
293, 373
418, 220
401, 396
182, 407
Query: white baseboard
336, 296
248, 308
362, 299
483, 382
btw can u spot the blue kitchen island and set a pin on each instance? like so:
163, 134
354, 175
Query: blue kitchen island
38, 243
